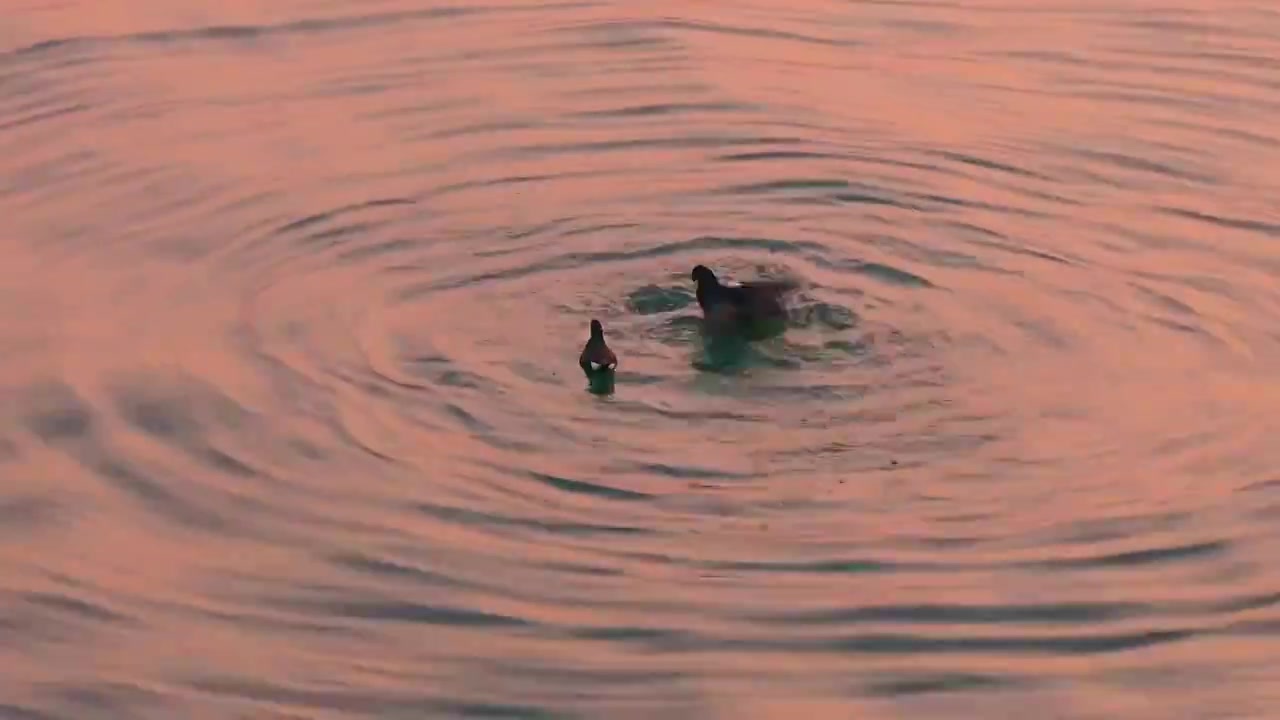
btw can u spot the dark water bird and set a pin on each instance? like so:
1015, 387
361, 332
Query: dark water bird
597, 361
596, 356
754, 307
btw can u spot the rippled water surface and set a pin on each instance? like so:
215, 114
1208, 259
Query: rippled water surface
291, 423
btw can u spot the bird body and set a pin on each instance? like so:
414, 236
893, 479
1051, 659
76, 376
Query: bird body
743, 305
596, 356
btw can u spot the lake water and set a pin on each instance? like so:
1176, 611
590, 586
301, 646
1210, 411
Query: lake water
291, 423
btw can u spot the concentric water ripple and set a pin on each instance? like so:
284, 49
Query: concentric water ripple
291, 423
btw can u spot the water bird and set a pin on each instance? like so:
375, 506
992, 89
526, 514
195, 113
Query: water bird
596, 356
744, 306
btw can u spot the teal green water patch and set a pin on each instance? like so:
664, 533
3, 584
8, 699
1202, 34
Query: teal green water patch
656, 299
601, 382
823, 315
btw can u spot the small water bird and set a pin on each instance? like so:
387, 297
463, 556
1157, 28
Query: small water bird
596, 356
745, 306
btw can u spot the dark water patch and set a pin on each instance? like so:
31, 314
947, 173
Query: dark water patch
582, 675
654, 299
896, 644
689, 472
226, 463
777, 155
986, 164
1140, 164
972, 204
630, 43
857, 198
1139, 557
107, 699
1266, 228
385, 568
1169, 100
1184, 328
25, 513
890, 274
166, 418
580, 569
1242, 604
543, 228
403, 611
827, 315
56, 414
933, 683
241, 33
500, 711
820, 190
601, 228
466, 516
663, 109
331, 215
9, 711
330, 237
587, 488
1022, 250
507, 180
677, 330
44, 115
1262, 485
381, 703
155, 496
1100, 530
721, 28
661, 637
1252, 628
796, 184
674, 142
49, 173
183, 414
1221, 131
77, 607
483, 430
1203, 283
476, 128
1049, 613
259, 622
175, 407
378, 249
816, 567
469, 421
438, 370
1044, 333
1243, 59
